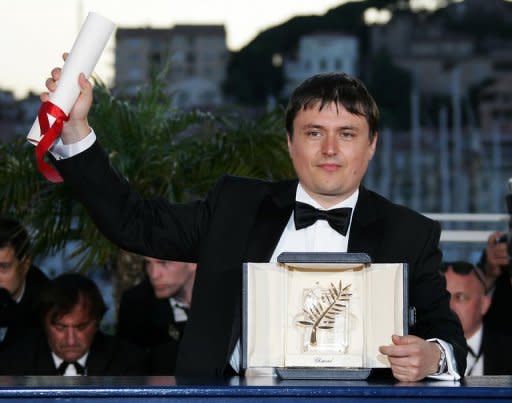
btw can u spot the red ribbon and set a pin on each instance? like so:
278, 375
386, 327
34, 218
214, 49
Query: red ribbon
48, 137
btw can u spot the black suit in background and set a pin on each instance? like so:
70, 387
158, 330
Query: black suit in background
241, 220
23, 317
149, 322
498, 316
497, 351
108, 356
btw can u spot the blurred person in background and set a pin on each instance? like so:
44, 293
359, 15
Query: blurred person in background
20, 282
70, 309
489, 351
153, 314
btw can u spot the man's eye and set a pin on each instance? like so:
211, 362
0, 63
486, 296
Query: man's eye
313, 133
347, 134
5, 266
461, 297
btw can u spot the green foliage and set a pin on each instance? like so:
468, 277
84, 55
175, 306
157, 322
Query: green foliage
163, 152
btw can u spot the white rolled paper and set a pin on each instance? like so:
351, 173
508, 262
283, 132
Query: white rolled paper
83, 57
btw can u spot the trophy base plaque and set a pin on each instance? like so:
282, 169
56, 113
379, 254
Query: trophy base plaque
351, 374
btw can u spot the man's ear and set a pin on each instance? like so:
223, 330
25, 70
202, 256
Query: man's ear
289, 140
373, 145
25, 264
486, 303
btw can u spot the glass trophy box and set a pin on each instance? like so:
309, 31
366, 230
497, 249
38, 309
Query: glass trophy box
322, 315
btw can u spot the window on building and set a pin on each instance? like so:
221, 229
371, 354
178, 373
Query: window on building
155, 58
190, 57
338, 64
503, 65
182, 98
323, 65
208, 97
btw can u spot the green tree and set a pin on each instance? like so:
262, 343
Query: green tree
163, 152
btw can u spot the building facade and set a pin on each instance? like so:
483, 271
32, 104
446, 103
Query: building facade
320, 53
191, 60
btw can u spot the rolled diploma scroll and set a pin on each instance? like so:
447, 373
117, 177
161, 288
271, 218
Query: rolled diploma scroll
84, 55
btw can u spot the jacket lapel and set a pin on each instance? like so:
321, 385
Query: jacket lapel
271, 218
99, 356
364, 233
44, 361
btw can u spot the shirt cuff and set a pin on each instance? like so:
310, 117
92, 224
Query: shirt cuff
62, 151
451, 373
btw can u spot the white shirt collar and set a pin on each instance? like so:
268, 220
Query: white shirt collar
303, 197
57, 360
178, 309
18, 300
475, 341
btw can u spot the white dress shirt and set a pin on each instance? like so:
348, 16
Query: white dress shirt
475, 364
70, 370
179, 310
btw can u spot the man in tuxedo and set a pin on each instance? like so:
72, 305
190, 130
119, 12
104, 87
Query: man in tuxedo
153, 314
331, 123
489, 351
20, 282
71, 307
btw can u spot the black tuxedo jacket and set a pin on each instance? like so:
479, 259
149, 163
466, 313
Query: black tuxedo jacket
496, 317
24, 317
107, 356
241, 220
497, 352
149, 322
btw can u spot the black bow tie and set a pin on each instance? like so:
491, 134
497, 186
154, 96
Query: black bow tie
80, 370
306, 215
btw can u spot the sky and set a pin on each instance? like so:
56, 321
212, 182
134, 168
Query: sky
34, 33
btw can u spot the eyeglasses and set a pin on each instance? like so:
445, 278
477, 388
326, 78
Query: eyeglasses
465, 268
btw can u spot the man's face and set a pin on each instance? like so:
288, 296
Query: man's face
70, 336
168, 277
468, 300
330, 150
12, 271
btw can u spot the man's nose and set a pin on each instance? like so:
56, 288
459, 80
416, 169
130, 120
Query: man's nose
153, 271
71, 336
329, 145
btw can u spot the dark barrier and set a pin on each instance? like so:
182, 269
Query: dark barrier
165, 389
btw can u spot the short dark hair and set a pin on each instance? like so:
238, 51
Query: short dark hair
13, 234
464, 268
62, 294
337, 88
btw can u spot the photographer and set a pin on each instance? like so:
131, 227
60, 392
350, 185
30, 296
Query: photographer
495, 262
